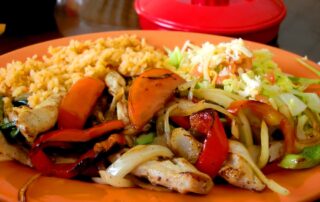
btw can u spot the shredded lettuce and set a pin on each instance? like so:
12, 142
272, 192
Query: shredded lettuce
303, 82
285, 83
270, 90
263, 65
231, 85
262, 62
175, 57
312, 100
247, 84
295, 105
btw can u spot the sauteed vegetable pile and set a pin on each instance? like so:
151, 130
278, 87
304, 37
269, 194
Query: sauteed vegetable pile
200, 115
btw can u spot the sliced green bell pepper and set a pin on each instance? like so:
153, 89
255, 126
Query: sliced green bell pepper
309, 157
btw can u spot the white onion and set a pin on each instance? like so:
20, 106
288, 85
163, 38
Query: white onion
186, 108
167, 131
190, 93
115, 181
98, 180
264, 152
188, 85
134, 157
235, 129
246, 133
214, 95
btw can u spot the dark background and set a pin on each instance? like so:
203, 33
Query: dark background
32, 21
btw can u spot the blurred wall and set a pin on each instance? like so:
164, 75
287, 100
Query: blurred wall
27, 16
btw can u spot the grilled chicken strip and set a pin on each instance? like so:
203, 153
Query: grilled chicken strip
122, 111
30, 121
13, 152
116, 87
239, 173
115, 82
176, 174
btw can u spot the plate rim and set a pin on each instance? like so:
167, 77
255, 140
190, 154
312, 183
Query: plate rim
96, 35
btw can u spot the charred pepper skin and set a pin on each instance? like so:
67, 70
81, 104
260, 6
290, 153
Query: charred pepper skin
63, 138
215, 149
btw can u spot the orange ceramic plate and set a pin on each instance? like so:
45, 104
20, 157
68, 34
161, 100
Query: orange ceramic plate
303, 185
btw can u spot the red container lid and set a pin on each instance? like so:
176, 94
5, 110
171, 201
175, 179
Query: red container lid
223, 17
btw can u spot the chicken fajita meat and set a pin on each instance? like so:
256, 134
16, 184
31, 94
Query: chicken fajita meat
175, 174
238, 173
32, 122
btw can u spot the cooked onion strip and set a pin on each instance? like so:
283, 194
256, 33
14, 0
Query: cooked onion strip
112, 109
98, 180
115, 174
264, 152
167, 131
188, 86
186, 108
238, 148
107, 178
235, 129
135, 156
190, 93
283, 108
185, 86
246, 133
218, 96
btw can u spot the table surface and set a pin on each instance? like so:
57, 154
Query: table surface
50, 19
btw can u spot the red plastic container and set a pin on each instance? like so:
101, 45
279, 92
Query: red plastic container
256, 20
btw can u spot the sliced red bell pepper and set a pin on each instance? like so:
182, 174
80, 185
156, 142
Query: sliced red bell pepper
201, 122
63, 138
76, 106
215, 149
271, 116
75, 135
182, 121
68, 170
